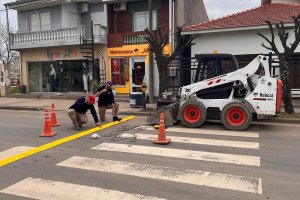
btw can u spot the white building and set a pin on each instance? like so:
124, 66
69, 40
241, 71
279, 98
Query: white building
237, 33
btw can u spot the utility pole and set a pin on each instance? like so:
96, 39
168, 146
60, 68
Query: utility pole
151, 86
93, 54
7, 27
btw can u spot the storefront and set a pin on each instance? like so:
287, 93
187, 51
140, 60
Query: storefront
128, 68
60, 69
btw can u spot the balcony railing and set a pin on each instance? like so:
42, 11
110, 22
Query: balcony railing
55, 37
134, 39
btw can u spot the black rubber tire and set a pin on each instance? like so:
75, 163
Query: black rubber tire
192, 114
236, 116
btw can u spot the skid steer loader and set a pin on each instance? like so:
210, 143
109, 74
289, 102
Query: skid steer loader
236, 96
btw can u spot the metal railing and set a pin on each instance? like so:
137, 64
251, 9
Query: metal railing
134, 39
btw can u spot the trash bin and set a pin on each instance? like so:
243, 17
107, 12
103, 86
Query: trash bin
136, 99
22, 89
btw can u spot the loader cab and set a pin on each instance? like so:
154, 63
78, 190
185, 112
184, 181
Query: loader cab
213, 65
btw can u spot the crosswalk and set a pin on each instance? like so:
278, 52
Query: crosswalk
13, 151
249, 141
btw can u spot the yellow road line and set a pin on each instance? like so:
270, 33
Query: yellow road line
59, 142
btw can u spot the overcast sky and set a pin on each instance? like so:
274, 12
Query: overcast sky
220, 8
12, 14
214, 8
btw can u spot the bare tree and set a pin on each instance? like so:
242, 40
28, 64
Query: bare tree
284, 56
158, 40
6, 56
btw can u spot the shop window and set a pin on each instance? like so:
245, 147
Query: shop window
118, 71
1, 77
141, 20
39, 21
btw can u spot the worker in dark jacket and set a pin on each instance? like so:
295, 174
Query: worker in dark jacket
107, 101
77, 112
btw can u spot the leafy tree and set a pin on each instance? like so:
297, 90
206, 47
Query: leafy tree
284, 56
158, 40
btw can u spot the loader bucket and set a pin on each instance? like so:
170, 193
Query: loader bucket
170, 113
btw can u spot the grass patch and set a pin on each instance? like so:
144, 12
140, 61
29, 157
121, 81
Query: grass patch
286, 115
14, 90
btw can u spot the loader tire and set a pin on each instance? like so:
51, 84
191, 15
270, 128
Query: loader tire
192, 114
236, 116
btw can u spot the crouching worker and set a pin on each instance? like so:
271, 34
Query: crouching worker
107, 101
77, 112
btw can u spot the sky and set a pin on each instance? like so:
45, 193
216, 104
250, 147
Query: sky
11, 13
220, 8
214, 8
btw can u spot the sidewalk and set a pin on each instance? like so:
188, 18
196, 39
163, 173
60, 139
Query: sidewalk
62, 105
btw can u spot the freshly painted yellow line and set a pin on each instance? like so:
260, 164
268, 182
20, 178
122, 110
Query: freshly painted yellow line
59, 142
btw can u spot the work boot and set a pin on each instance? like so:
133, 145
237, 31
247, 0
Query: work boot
115, 118
77, 128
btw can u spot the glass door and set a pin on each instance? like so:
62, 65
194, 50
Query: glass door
137, 71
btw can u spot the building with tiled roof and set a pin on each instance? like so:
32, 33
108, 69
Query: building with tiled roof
250, 19
237, 33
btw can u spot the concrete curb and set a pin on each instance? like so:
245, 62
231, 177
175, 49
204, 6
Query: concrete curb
31, 108
135, 113
21, 108
285, 120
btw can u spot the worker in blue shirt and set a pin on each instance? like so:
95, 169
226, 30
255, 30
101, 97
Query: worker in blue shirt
77, 112
107, 101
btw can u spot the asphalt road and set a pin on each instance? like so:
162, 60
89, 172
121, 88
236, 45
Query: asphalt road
206, 163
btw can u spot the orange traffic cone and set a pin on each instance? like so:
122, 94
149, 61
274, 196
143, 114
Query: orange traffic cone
53, 117
47, 127
162, 137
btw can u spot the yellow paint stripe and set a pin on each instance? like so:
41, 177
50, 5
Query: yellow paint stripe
59, 142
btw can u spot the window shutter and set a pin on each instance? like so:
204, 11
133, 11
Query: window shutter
45, 20
34, 22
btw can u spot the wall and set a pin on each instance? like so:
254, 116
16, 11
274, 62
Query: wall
55, 53
97, 14
55, 18
125, 18
190, 12
237, 43
70, 16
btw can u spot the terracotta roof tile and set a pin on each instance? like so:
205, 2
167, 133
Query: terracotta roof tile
275, 13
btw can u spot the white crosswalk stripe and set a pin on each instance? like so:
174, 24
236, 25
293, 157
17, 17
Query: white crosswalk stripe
209, 179
214, 132
179, 153
188, 140
13, 151
50, 190
56, 190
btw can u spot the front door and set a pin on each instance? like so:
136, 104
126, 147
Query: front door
34, 77
137, 73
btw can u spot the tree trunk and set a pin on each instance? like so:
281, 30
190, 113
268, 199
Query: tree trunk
286, 89
162, 78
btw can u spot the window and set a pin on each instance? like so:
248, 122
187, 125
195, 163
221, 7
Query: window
209, 67
141, 20
2, 77
39, 21
118, 71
